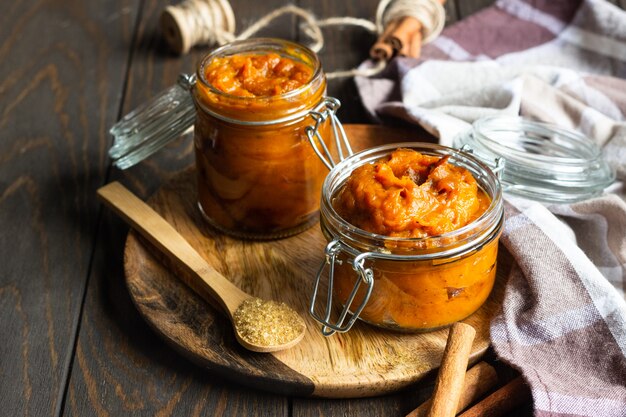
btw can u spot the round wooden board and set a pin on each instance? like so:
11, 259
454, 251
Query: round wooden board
365, 361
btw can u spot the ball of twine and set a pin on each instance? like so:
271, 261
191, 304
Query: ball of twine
198, 22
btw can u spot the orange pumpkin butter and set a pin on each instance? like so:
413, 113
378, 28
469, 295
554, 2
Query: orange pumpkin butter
257, 75
416, 196
411, 195
258, 176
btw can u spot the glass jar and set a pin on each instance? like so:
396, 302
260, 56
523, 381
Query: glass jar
258, 173
409, 284
261, 160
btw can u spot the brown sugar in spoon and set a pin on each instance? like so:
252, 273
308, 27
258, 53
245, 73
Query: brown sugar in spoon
259, 325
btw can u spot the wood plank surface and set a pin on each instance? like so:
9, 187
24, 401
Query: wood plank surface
62, 84
121, 367
465, 8
345, 48
363, 362
62, 72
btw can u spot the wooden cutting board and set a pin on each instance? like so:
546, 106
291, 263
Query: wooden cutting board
366, 361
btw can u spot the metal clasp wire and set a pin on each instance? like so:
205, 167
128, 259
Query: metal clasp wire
366, 276
319, 115
500, 162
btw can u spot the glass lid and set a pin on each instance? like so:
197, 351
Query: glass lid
541, 161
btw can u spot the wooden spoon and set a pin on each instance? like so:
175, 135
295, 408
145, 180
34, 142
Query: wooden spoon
242, 309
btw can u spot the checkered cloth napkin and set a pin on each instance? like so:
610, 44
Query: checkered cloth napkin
563, 319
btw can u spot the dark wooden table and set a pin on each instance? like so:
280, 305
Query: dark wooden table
71, 341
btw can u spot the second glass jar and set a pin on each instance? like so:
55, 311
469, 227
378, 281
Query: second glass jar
258, 175
407, 284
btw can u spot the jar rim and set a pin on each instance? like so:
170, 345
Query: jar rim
253, 44
458, 239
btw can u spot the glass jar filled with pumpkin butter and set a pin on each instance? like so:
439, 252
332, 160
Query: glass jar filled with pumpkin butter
258, 175
413, 233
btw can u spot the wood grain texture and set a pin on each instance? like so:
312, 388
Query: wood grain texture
452, 14
395, 405
465, 8
344, 48
62, 82
363, 362
63, 66
389, 405
120, 366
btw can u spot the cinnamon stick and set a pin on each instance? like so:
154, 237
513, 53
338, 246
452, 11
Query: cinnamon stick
382, 49
403, 35
502, 401
415, 49
449, 383
397, 38
478, 381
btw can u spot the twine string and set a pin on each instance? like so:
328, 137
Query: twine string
208, 21
213, 22
311, 25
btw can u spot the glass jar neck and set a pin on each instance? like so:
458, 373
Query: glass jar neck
282, 107
454, 243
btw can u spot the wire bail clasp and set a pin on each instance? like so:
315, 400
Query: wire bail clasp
328, 110
365, 277
498, 165
154, 124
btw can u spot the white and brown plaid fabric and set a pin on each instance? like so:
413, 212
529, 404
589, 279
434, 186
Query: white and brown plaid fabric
563, 319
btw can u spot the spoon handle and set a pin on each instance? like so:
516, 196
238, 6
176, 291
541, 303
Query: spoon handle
200, 276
